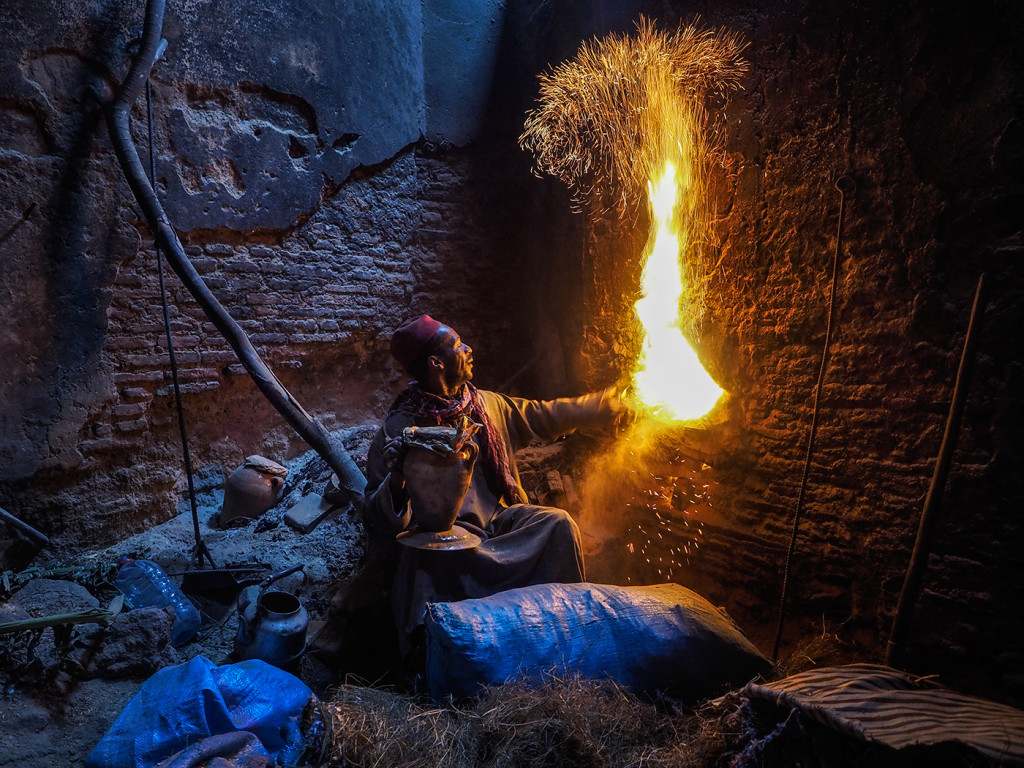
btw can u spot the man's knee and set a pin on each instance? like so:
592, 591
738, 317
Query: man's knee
527, 513
562, 518
559, 522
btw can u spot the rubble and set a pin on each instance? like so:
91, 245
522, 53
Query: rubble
62, 687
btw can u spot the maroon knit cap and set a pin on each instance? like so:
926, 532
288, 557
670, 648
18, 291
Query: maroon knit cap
412, 337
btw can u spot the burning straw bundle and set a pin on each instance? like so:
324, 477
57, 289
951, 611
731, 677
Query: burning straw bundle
566, 722
610, 116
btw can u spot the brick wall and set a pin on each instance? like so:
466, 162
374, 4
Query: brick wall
428, 232
828, 99
920, 107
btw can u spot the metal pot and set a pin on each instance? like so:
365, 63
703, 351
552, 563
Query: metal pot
272, 624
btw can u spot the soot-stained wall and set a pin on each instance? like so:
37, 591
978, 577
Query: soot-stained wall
323, 202
920, 109
314, 193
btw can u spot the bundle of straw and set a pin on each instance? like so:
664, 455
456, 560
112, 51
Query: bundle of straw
564, 722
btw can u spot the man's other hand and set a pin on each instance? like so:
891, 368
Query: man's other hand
394, 457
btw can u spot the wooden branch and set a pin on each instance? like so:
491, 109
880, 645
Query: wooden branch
88, 616
350, 478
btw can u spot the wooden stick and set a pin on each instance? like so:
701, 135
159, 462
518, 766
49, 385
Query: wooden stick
350, 478
896, 647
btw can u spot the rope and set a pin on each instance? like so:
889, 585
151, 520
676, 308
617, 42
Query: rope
846, 187
200, 550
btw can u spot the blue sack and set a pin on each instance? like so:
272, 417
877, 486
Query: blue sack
180, 705
658, 638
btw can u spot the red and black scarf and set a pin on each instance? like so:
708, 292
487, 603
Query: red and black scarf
414, 401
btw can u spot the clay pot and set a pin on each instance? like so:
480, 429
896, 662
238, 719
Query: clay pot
252, 489
437, 484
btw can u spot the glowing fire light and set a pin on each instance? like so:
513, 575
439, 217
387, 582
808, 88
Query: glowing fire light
606, 123
669, 378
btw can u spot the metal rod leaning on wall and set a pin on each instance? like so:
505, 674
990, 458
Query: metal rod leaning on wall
895, 649
350, 478
846, 186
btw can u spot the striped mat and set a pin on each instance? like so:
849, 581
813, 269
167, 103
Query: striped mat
882, 705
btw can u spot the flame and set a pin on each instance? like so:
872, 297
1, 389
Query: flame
606, 123
669, 378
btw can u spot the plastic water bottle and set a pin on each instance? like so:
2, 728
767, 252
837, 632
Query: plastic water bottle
144, 583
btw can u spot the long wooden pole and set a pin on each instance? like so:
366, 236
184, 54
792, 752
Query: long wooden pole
351, 479
895, 649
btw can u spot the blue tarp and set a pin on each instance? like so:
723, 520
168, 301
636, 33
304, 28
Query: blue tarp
180, 705
662, 637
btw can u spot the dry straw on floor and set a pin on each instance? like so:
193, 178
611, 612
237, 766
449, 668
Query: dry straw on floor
565, 722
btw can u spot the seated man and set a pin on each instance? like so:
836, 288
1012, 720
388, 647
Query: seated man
522, 544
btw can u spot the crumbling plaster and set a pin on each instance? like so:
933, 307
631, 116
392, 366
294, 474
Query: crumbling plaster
293, 158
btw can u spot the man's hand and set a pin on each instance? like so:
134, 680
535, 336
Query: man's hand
394, 457
623, 408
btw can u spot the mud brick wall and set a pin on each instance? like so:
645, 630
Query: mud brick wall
921, 112
419, 234
296, 173
324, 200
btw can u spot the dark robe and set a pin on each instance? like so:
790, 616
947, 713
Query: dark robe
523, 544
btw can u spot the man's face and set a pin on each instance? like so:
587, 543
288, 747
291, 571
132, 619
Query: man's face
456, 357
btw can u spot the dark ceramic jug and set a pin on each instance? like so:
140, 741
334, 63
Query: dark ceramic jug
437, 484
251, 490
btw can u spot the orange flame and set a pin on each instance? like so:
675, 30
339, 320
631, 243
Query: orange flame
669, 378
606, 123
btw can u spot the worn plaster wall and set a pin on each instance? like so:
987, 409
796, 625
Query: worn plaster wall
289, 156
241, 147
320, 305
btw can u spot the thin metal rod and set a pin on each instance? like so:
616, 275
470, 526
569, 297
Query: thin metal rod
14, 227
201, 551
515, 376
846, 187
895, 649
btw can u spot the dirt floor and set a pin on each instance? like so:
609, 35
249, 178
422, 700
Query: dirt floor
52, 713
57, 702
60, 693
